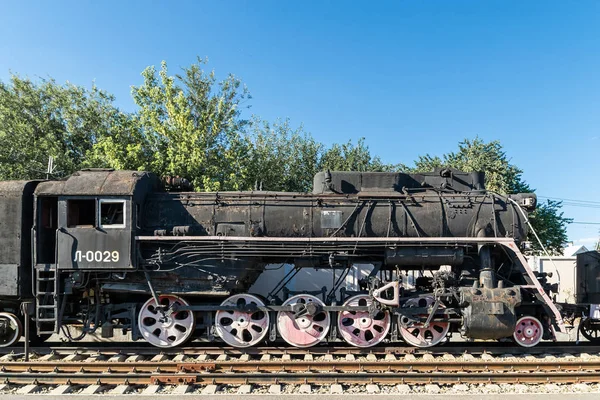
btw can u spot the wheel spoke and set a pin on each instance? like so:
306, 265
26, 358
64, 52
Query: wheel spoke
241, 331
355, 333
306, 331
13, 334
165, 330
418, 336
528, 331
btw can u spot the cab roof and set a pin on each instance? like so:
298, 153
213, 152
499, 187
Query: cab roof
97, 182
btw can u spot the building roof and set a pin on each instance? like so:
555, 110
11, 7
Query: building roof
572, 251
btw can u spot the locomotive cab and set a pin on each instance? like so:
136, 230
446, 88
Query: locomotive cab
88, 220
84, 232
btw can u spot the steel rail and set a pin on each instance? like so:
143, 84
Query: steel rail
297, 366
203, 349
54, 378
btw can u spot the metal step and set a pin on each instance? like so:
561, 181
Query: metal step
47, 302
46, 320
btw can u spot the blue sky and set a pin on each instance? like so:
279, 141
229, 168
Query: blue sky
412, 77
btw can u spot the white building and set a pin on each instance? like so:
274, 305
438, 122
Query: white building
562, 269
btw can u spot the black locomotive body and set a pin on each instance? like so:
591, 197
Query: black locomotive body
107, 250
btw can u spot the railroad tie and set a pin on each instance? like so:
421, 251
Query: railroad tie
93, 389
305, 389
62, 389
210, 389
121, 389
403, 388
373, 389
431, 388
182, 389
336, 389
275, 389
74, 357
150, 390
244, 389
93, 358
117, 358
28, 389
49, 357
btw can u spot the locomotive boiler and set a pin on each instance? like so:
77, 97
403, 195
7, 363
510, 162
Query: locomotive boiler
125, 250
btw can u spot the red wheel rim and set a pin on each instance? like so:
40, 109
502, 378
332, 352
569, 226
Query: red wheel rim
358, 327
306, 331
419, 336
528, 331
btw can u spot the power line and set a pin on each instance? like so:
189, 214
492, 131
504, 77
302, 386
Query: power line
585, 223
573, 202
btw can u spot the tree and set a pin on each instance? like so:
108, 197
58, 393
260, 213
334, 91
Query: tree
505, 178
39, 120
349, 157
280, 157
191, 126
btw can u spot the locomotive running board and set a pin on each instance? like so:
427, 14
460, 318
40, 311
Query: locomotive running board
389, 241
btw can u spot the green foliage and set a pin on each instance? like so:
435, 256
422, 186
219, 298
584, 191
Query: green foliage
551, 226
123, 147
190, 126
39, 120
475, 155
280, 157
503, 177
348, 157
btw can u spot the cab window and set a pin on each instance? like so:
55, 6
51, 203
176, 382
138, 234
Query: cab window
81, 213
112, 214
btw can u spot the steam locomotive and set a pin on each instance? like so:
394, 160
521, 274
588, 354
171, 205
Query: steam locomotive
105, 250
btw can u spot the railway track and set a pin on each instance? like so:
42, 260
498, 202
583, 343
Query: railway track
98, 367
77, 368
297, 372
132, 349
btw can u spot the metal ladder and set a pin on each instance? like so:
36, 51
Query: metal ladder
46, 300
